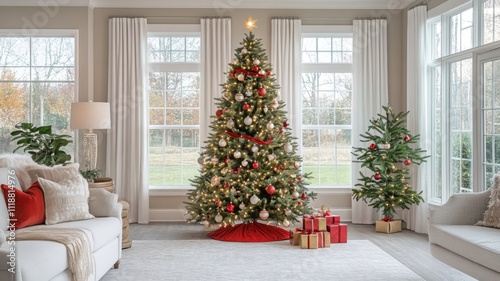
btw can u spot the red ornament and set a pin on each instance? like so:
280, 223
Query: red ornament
387, 219
327, 213
246, 106
270, 189
261, 92
377, 176
406, 138
239, 169
299, 203
234, 172
230, 207
303, 196
218, 113
227, 160
285, 124
255, 68
255, 165
207, 217
407, 162
373, 146
217, 203
226, 185
232, 74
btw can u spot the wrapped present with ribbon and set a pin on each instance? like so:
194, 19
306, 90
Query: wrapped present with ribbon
309, 241
308, 223
295, 236
319, 224
324, 238
338, 233
332, 219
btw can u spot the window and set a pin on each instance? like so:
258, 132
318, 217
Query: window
465, 140
174, 104
326, 104
37, 82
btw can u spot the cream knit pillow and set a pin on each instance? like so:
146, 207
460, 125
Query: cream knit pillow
492, 214
66, 200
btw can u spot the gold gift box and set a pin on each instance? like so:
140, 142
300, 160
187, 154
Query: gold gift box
388, 226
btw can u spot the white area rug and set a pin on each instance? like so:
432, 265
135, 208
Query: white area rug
215, 260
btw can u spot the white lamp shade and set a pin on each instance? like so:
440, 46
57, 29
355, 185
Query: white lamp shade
90, 115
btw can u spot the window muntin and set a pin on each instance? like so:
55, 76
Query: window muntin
491, 21
461, 31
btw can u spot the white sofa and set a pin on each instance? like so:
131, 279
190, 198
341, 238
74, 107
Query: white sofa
47, 260
455, 240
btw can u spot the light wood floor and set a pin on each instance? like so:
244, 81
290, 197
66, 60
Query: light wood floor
410, 248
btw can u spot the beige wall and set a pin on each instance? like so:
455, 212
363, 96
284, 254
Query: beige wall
96, 20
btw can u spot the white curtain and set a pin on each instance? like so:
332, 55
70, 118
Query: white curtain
286, 61
127, 138
417, 105
215, 59
370, 93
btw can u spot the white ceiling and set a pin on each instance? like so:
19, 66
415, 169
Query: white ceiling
223, 4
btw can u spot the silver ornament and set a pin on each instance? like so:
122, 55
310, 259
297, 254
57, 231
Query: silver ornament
201, 160
255, 148
256, 61
270, 126
230, 124
241, 77
244, 163
239, 97
286, 223
237, 154
214, 160
248, 121
244, 51
218, 218
248, 93
222, 143
288, 212
264, 215
254, 199
288, 147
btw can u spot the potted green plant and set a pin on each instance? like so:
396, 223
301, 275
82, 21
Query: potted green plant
44, 146
90, 174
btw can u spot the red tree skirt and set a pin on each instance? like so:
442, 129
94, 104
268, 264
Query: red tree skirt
250, 232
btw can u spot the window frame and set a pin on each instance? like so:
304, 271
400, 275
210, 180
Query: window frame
69, 33
443, 14
322, 30
181, 30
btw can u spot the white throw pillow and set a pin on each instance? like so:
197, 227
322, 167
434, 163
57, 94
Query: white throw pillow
492, 214
18, 162
56, 173
66, 200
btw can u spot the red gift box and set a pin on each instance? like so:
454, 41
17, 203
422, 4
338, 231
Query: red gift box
331, 219
338, 233
319, 224
308, 223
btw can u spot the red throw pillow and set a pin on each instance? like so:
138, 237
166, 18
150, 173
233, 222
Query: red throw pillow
26, 208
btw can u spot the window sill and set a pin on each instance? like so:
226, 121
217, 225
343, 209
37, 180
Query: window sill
181, 191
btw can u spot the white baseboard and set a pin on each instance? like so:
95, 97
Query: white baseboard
170, 215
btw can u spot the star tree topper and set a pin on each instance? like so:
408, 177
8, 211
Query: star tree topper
250, 23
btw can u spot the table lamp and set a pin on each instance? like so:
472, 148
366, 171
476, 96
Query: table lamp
90, 115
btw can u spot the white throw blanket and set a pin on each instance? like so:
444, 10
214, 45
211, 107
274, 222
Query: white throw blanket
77, 247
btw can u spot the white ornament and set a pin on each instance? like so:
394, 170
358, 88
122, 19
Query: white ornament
265, 109
218, 218
256, 61
214, 160
271, 157
242, 206
244, 51
233, 190
239, 97
201, 160
384, 146
288, 147
288, 212
264, 215
270, 126
222, 143
244, 163
275, 104
262, 72
237, 154
241, 77
295, 194
215, 180
206, 223
248, 93
296, 165
230, 124
235, 61
255, 148
286, 223
254, 199
248, 121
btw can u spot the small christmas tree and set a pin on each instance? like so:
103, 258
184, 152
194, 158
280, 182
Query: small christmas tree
249, 167
388, 157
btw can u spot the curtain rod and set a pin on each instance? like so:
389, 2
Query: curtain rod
422, 3
185, 17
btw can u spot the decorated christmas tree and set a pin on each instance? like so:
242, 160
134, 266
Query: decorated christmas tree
250, 169
388, 157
